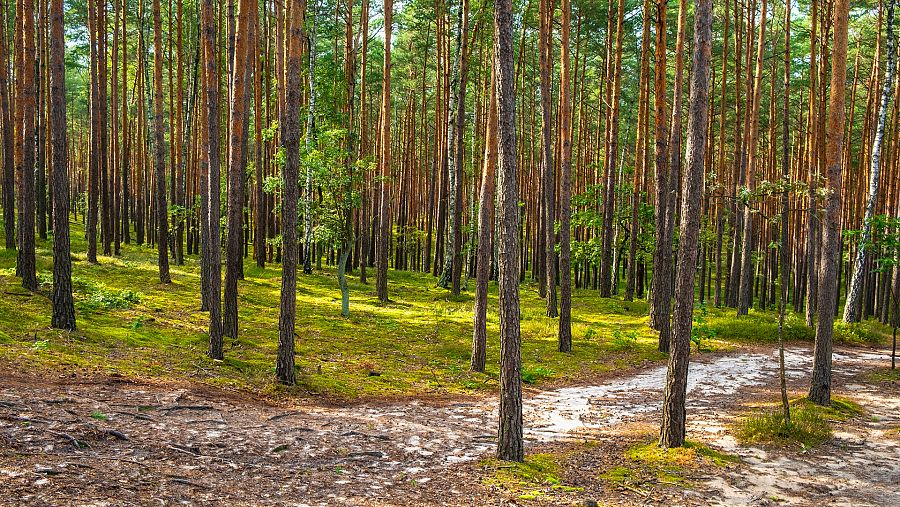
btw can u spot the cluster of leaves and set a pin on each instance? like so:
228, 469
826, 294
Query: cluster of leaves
701, 330
92, 295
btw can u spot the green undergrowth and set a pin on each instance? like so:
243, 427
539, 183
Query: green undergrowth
419, 343
537, 476
759, 326
649, 463
810, 426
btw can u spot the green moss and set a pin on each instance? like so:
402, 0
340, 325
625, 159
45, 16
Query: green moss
809, 427
619, 475
536, 470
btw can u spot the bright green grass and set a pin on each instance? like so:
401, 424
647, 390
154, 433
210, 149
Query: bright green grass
130, 324
810, 424
649, 461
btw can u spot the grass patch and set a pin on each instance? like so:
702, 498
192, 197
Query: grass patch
810, 424
883, 375
537, 476
648, 462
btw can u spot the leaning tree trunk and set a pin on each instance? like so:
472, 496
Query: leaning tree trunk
63, 307
510, 443
485, 216
853, 307
820, 386
673, 426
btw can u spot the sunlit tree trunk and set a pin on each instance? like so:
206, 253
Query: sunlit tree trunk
673, 426
820, 385
383, 238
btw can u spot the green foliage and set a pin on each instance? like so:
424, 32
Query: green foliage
533, 375
624, 341
809, 426
701, 331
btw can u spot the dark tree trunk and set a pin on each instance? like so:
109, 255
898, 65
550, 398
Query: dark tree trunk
25, 261
383, 238
510, 444
565, 187
162, 218
290, 136
63, 307
212, 250
6, 130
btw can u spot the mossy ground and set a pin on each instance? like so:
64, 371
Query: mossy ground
810, 424
648, 462
418, 343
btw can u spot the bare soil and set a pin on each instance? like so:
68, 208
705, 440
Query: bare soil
112, 441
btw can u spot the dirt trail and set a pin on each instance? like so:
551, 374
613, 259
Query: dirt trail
119, 443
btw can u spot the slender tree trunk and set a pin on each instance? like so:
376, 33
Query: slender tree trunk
234, 236
548, 169
284, 367
749, 241
212, 250
565, 185
63, 307
820, 385
813, 229
383, 239
673, 426
25, 261
510, 444
6, 130
162, 219
485, 218
784, 269
308, 250
853, 308
609, 201
662, 264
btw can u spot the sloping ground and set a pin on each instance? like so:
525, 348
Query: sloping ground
113, 442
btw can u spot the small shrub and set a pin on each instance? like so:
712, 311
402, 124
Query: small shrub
535, 374
701, 330
624, 341
809, 426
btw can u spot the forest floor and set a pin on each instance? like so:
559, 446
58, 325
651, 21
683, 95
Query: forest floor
108, 440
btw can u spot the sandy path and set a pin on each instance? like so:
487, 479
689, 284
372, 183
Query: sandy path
137, 443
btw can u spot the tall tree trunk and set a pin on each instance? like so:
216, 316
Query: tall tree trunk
565, 184
784, 268
63, 307
662, 263
609, 201
6, 130
308, 249
673, 426
234, 236
383, 239
210, 140
640, 152
820, 385
749, 241
510, 444
284, 367
813, 229
485, 218
25, 260
548, 169
852, 310
162, 221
